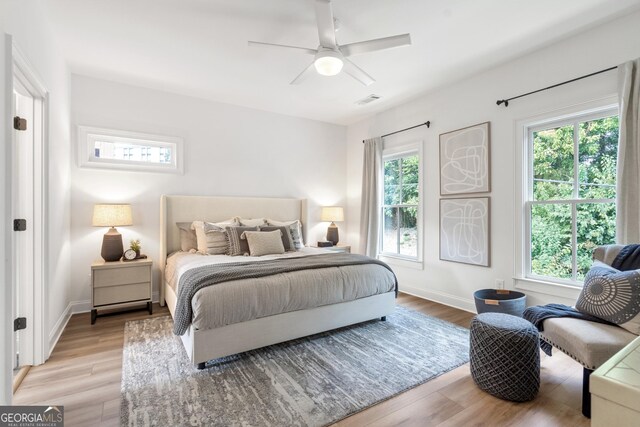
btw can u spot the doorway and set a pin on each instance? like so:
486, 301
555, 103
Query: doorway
28, 199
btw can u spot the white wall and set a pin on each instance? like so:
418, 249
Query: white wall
229, 151
27, 23
473, 101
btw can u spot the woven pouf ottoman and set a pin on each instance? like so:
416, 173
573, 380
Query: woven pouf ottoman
505, 356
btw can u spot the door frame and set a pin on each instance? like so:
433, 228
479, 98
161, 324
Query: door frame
37, 349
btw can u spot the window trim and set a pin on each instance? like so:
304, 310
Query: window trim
87, 136
392, 153
524, 189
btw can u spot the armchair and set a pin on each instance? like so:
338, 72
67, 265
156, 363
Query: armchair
591, 344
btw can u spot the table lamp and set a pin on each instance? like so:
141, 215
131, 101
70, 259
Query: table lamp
112, 215
332, 213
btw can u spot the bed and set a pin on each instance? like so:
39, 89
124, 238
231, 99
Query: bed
312, 304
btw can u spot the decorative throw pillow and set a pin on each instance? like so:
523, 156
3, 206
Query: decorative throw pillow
612, 295
248, 222
287, 240
238, 246
188, 239
211, 238
296, 230
264, 242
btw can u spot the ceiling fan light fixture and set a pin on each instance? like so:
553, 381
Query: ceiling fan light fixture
328, 63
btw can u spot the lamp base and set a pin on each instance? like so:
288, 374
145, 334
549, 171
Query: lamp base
112, 248
332, 234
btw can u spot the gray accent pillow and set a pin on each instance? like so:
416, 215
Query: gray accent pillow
612, 295
296, 230
264, 242
188, 239
287, 239
237, 245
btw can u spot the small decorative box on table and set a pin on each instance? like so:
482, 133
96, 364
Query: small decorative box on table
120, 284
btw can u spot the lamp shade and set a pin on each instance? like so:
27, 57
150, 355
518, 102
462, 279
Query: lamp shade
108, 215
332, 213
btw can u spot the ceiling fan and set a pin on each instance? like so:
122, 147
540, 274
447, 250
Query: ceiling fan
329, 57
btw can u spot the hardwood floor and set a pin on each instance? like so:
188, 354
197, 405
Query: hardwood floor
84, 374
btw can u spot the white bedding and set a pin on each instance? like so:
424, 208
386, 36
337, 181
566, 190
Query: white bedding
242, 300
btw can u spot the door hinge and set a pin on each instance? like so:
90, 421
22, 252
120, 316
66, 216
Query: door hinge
20, 323
19, 123
19, 225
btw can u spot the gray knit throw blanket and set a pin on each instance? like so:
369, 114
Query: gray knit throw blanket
197, 278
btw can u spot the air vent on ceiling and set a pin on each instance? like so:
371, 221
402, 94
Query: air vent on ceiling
368, 99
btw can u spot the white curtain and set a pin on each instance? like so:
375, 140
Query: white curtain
628, 174
370, 202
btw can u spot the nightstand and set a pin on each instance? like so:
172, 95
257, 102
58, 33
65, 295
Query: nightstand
339, 248
120, 284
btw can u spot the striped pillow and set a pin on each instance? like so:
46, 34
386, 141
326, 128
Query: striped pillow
238, 246
211, 238
264, 242
296, 230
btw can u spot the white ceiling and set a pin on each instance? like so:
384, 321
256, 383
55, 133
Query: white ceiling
199, 47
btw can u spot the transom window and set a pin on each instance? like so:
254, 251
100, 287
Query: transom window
570, 208
128, 150
400, 205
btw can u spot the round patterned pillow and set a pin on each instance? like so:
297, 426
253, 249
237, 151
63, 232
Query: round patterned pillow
611, 295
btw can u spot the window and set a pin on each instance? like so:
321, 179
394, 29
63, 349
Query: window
108, 148
401, 205
570, 207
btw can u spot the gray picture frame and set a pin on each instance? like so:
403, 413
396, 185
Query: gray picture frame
465, 230
465, 160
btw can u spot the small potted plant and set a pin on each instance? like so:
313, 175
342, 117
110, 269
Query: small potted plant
135, 246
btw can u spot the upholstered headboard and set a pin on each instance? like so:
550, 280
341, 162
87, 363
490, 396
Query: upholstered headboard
213, 209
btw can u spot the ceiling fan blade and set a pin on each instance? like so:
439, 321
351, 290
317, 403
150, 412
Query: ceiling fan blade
357, 73
376, 44
284, 46
304, 74
326, 29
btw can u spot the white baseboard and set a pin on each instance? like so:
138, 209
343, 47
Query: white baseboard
454, 301
75, 307
56, 331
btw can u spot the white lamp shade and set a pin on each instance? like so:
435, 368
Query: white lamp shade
332, 213
107, 215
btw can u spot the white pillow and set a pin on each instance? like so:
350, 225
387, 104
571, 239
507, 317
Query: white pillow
296, 230
211, 237
264, 242
255, 222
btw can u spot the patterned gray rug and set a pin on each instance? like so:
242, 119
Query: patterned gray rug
311, 381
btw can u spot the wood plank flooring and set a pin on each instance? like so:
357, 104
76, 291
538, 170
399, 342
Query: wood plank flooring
85, 369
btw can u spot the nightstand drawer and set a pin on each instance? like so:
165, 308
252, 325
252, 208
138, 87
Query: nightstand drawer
121, 276
123, 293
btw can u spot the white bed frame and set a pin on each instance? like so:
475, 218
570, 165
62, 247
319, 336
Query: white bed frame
204, 345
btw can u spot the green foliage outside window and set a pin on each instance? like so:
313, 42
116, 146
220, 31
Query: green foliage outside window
400, 211
554, 164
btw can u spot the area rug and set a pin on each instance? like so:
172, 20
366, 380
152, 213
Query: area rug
311, 381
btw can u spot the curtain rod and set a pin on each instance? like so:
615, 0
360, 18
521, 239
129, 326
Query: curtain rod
427, 124
506, 101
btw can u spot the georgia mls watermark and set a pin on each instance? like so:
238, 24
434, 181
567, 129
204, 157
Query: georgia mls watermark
31, 416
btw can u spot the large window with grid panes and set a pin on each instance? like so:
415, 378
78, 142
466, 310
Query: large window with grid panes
570, 204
